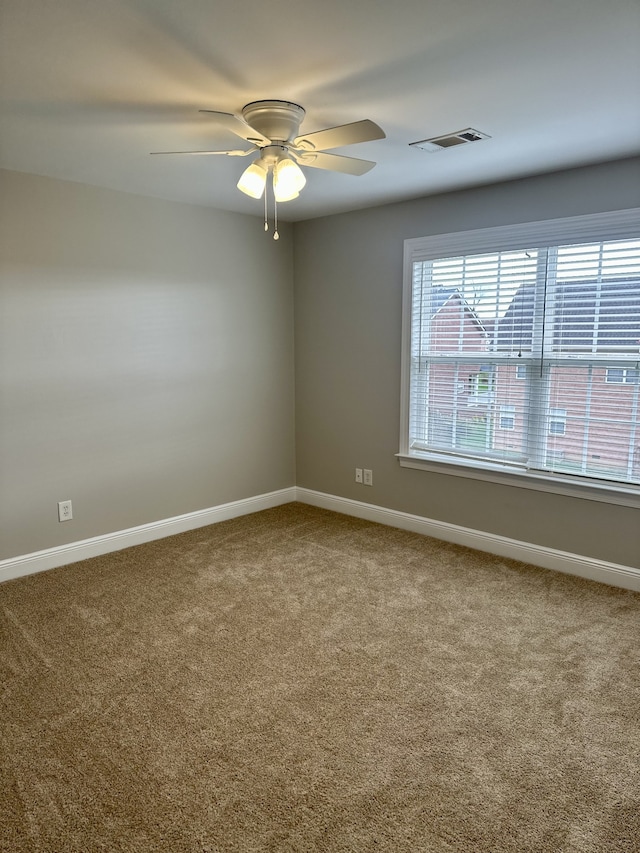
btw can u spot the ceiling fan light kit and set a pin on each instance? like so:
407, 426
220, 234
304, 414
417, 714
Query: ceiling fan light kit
253, 180
288, 180
272, 129
287, 177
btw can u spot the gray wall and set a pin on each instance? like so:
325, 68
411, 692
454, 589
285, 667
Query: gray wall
146, 360
348, 280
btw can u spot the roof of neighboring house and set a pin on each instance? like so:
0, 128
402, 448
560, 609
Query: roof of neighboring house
440, 296
513, 331
614, 302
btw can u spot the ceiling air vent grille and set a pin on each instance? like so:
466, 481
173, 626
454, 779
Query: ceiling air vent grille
450, 140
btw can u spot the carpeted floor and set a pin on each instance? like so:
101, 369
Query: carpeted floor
298, 680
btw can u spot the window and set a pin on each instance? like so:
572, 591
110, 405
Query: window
507, 417
615, 375
514, 341
622, 376
557, 421
480, 385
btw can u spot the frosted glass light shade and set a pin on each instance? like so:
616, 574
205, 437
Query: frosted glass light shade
253, 180
288, 180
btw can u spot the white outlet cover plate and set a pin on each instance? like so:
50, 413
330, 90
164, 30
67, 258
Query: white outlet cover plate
65, 511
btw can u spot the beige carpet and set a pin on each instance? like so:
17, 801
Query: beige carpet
297, 680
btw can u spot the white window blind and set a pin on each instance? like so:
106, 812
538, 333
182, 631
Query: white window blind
527, 357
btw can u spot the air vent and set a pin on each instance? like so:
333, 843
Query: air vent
438, 143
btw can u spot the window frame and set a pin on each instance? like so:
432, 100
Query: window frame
613, 225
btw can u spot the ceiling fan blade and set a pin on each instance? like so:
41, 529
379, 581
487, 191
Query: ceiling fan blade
336, 137
237, 153
333, 162
236, 125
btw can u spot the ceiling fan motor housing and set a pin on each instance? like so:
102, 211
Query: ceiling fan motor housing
278, 121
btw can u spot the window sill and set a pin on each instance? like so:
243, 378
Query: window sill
493, 473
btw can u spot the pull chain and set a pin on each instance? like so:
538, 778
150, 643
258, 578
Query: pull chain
276, 236
266, 224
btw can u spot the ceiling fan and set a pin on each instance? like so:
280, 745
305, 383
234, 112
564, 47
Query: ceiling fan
273, 130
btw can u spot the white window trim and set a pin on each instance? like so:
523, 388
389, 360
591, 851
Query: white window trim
595, 490
614, 225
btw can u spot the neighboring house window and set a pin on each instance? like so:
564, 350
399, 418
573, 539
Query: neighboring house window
513, 338
557, 421
480, 385
615, 375
622, 376
507, 417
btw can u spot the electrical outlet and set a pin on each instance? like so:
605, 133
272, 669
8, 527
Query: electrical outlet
368, 477
358, 475
65, 511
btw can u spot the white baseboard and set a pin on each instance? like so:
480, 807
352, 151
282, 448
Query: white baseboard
40, 561
613, 574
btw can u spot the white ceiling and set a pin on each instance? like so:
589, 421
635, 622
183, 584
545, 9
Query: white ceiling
89, 87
